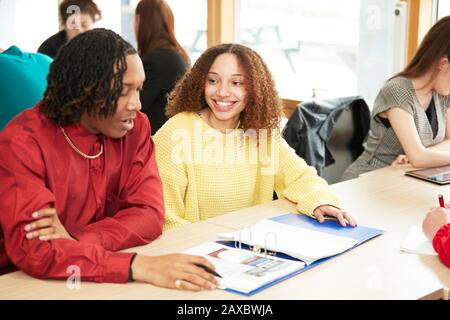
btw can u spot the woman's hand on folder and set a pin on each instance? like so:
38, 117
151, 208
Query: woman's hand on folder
342, 216
176, 271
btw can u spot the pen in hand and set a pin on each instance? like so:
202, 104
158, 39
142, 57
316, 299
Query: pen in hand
209, 270
441, 201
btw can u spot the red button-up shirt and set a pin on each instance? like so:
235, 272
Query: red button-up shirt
109, 203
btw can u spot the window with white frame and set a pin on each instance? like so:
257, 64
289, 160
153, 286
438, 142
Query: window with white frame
325, 48
190, 25
27, 23
442, 8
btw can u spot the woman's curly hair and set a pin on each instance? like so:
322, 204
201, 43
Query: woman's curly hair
86, 76
263, 106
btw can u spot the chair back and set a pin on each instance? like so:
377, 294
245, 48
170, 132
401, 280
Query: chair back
329, 134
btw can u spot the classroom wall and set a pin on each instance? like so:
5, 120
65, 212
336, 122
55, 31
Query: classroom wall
27, 23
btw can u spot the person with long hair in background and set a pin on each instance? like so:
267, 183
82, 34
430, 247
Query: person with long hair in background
411, 118
164, 59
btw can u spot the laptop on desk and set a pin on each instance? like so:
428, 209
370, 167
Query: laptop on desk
440, 175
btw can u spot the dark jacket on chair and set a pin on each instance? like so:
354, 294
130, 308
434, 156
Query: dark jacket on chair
311, 127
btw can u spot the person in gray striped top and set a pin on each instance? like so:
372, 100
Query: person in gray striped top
410, 120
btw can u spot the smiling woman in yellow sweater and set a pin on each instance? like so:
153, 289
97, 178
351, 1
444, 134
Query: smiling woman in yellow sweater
222, 151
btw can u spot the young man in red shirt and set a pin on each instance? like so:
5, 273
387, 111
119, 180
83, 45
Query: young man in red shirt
79, 179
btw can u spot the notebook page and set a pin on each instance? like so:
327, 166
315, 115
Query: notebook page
307, 245
243, 270
417, 242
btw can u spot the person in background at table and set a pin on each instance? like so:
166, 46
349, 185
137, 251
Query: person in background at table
165, 61
436, 226
410, 118
76, 16
79, 179
23, 79
221, 150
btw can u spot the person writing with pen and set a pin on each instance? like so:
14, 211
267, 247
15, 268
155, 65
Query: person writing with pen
436, 227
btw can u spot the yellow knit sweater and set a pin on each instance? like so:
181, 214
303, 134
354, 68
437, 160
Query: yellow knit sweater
206, 173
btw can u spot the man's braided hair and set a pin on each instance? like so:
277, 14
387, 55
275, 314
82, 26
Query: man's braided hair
86, 76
